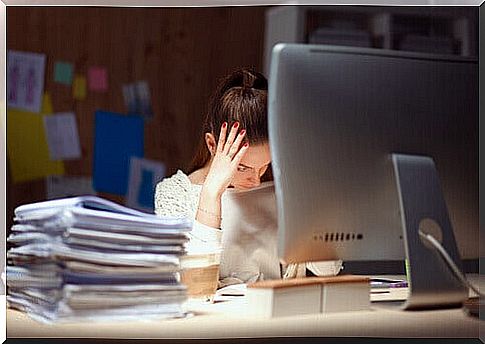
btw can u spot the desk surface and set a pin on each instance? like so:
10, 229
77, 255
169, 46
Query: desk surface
228, 319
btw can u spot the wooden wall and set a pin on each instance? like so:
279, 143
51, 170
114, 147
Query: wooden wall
181, 52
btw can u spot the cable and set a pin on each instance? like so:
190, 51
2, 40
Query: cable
451, 264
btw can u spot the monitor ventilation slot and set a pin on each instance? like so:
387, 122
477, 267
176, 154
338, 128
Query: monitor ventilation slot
337, 236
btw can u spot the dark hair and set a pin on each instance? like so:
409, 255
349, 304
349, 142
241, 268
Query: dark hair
240, 97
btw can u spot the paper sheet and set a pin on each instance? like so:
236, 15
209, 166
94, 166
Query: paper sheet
79, 87
68, 186
27, 148
144, 175
233, 290
98, 79
137, 99
25, 80
63, 72
62, 136
117, 139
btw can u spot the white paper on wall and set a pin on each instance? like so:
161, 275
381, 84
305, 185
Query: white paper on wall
137, 99
62, 136
25, 80
143, 178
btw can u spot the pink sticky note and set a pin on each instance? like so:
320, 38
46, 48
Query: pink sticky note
98, 79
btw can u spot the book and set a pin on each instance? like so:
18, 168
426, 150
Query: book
311, 295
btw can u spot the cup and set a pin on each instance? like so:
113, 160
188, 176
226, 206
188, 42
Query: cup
200, 274
200, 266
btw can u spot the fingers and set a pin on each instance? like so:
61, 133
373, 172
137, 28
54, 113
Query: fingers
231, 137
222, 137
237, 159
237, 143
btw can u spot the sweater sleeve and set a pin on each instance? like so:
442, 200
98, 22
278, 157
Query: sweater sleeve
176, 196
172, 197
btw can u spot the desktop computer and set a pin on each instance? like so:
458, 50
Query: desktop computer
372, 150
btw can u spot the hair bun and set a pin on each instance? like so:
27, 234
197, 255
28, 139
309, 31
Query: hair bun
248, 79
245, 78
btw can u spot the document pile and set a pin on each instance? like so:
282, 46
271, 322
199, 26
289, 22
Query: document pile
87, 258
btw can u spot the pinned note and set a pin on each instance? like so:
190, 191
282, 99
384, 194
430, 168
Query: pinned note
98, 79
137, 99
3, 123
46, 104
25, 80
79, 87
117, 139
144, 176
27, 148
63, 73
62, 136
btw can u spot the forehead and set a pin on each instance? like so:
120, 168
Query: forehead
257, 155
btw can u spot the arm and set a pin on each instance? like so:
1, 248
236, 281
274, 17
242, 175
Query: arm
209, 208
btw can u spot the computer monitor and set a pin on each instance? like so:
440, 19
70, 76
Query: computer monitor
354, 134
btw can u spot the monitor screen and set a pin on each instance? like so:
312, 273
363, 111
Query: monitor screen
336, 115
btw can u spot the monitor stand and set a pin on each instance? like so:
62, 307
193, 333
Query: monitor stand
422, 207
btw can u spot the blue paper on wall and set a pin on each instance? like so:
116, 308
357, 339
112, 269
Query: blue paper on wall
117, 139
145, 196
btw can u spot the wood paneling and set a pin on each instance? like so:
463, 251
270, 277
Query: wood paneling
181, 52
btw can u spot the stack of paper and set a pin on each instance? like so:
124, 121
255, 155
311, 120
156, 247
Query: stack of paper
388, 289
88, 258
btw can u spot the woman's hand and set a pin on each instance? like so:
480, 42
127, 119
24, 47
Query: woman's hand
224, 164
226, 159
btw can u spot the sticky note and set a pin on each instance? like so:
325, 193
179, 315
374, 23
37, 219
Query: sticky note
27, 148
63, 73
117, 138
46, 104
3, 123
98, 79
79, 87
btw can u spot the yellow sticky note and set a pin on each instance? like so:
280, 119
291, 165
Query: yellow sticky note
27, 148
3, 123
79, 87
46, 104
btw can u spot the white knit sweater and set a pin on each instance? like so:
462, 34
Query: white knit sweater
252, 255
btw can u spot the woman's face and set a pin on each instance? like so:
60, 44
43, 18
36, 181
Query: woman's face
252, 167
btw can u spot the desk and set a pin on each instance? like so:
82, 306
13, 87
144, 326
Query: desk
228, 320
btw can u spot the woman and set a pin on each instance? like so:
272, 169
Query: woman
233, 153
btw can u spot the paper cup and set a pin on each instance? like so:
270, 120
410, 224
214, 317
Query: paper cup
200, 273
